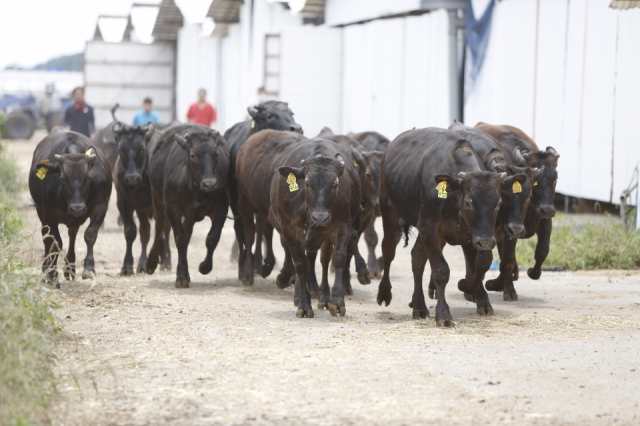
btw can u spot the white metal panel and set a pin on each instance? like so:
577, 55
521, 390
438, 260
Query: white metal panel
232, 108
357, 81
311, 76
627, 130
125, 73
426, 72
347, 11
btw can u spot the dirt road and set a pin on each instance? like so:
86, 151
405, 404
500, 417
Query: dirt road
137, 351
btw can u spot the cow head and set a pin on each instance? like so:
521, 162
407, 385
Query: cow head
320, 176
274, 115
75, 182
207, 161
517, 188
544, 186
131, 152
478, 195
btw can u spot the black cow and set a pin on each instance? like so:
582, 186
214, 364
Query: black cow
69, 181
373, 141
521, 150
311, 206
256, 162
274, 115
432, 179
516, 196
188, 172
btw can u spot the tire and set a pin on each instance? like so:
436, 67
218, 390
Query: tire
19, 125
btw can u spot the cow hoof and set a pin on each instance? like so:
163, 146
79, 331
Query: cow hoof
363, 277
152, 264
469, 297
465, 285
165, 267
484, 309
182, 282
126, 271
247, 281
304, 312
445, 323
266, 269
494, 285
70, 275
88, 275
141, 266
205, 267
534, 273
348, 290
384, 295
420, 313
323, 305
510, 295
336, 309
283, 281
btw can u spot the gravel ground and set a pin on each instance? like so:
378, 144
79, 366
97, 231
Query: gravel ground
137, 351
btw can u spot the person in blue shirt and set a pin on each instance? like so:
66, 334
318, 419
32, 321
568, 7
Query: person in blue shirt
146, 116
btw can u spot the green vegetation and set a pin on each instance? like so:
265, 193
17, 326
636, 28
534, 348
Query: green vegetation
598, 244
2, 121
27, 326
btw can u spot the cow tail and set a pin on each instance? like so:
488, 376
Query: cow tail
405, 231
113, 111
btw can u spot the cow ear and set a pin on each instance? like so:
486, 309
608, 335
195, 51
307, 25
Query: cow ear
50, 165
452, 182
552, 151
255, 111
183, 141
150, 129
285, 171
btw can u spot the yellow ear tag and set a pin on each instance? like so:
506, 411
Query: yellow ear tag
516, 187
535, 183
441, 187
293, 183
41, 173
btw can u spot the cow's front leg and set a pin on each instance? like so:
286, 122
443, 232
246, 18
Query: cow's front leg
213, 237
270, 258
483, 260
336, 304
182, 227
70, 259
90, 237
145, 234
301, 296
326, 253
542, 248
52, 246
371, 238
361, 265
286, 277
419, 254
130, 232
312, 283
504, 281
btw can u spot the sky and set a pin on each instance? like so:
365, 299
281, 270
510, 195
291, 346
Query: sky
32, 31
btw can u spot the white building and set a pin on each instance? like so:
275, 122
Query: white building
565, 71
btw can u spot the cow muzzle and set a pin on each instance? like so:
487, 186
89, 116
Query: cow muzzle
483, 243
546, 211
133, 179
320, 218
208, 184
515, 230
77, 209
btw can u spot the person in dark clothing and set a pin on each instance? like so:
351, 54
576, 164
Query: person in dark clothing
79, 116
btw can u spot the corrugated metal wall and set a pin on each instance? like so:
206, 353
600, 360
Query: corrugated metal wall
579, 96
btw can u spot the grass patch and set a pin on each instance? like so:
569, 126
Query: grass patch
584, 243
27, 326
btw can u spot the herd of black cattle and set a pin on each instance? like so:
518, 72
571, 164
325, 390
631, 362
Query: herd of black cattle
474, 187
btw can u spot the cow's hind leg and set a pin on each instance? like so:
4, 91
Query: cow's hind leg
361, 265
70, 259
130, 232
326, 253
340, 259
371, 238
301, 297
286, 276
182, 235
270, 258
418, 261
392, 234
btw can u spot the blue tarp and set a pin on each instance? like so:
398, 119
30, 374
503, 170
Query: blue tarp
477, 32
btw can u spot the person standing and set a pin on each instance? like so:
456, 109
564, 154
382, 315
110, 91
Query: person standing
202, 112
146, 115
79, 115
